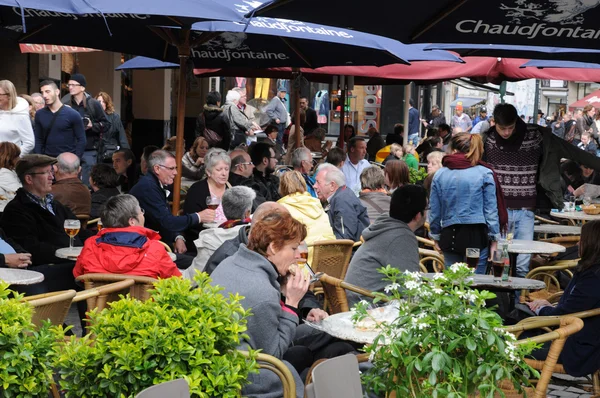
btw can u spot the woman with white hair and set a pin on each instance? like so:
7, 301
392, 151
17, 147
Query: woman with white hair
239, 123
237, 205
217, 164
15, 122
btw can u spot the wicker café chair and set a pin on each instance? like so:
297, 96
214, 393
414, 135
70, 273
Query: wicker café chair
273, 364
138, 290
546, 323
543, 220
437, 260
548, 274
335, 293
332, 256
99, 297
52, 306
566, 241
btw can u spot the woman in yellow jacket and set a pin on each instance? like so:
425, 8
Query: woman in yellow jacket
305, 209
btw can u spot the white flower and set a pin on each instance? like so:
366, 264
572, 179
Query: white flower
412, 285
457, 266
439, 276
437, 290
393, 287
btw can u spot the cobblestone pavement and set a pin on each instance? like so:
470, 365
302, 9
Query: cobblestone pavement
564, 386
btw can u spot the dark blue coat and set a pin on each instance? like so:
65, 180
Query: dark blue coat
153, 200
581, 353
347, 215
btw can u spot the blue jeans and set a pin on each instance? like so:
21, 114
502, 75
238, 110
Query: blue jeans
451, 258
88, 159
280, 131
523, 220
414, 138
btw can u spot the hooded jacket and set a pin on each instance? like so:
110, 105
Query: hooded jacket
126, 251
387, 242
15, 126
308, 210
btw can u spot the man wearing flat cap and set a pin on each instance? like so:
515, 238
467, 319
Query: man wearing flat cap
35, 221
95, 121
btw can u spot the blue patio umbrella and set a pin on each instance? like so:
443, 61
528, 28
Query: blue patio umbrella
559, 23
527, 52
146, 63
536, 63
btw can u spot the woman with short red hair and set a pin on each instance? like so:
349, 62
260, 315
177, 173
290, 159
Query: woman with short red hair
260, 272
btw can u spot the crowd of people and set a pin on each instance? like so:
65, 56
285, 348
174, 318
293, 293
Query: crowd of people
244, 222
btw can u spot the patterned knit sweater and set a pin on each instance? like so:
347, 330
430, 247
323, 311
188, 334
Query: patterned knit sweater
516, 160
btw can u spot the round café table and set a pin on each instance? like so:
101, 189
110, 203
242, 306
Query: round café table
557, 229
489, 282
575, 216
18, 276
73, 254
521, 246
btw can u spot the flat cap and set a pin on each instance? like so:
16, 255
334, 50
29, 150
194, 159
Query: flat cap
29, 162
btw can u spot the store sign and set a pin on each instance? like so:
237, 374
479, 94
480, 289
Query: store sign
530, 20
371, 108
52, 49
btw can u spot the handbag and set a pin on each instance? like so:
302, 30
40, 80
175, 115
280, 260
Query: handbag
211, 136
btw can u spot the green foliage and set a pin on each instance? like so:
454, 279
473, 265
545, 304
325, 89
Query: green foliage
444, 342
26, 353
416, 176
180, 332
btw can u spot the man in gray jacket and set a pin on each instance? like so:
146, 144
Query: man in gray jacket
390, 240
277, 113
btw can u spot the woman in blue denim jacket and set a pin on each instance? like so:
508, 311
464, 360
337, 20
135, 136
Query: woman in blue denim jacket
464, 203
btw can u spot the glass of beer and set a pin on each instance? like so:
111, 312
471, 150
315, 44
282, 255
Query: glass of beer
303, 249
472, 257
72, 229
497, 266
212, 202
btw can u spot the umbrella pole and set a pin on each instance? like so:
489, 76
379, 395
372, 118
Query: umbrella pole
406, 109
342, 139
184, 52
297, 107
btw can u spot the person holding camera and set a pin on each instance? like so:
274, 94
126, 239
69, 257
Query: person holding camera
94, 119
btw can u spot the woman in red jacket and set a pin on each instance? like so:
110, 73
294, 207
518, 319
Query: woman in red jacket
124, 246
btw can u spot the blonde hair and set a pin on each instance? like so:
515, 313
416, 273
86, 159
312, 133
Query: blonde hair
9, 88
408, 148
469, 144
291, 182
395, 148
436, 155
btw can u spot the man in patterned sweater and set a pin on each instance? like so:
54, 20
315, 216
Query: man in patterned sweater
526, 158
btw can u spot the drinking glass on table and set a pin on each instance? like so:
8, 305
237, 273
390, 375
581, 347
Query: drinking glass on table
497, 266
510, 232
473, 257
303, 249
72, 229
212, 202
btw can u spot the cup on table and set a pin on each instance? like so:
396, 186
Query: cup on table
497, 266
72, 229
472, 257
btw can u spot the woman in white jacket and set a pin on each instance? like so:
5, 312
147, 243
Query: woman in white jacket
15, 123
9, 182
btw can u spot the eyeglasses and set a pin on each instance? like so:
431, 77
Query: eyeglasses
143, 211
50, 172
73, 85
168, 168
245, 164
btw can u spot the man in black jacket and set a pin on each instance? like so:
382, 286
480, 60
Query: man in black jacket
264, 159
212, 118
95, 121
35, 221
241, 174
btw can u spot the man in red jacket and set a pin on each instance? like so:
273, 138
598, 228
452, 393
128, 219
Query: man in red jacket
124, 246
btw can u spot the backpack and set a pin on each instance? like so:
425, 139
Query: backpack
212, 137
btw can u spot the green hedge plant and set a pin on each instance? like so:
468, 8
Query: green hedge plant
26, 353
179, 332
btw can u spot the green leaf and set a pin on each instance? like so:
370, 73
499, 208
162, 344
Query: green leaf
437, 363
432, 378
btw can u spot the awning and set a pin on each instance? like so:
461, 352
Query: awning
467, 102
52, 49
591, 99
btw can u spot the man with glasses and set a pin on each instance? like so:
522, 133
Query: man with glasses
94, 120
58, 128
151, 191
35, 220
241, 174
302, 161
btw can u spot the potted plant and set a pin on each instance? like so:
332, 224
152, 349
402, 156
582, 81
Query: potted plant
26, 352
444, 342
416, 176
179, 332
